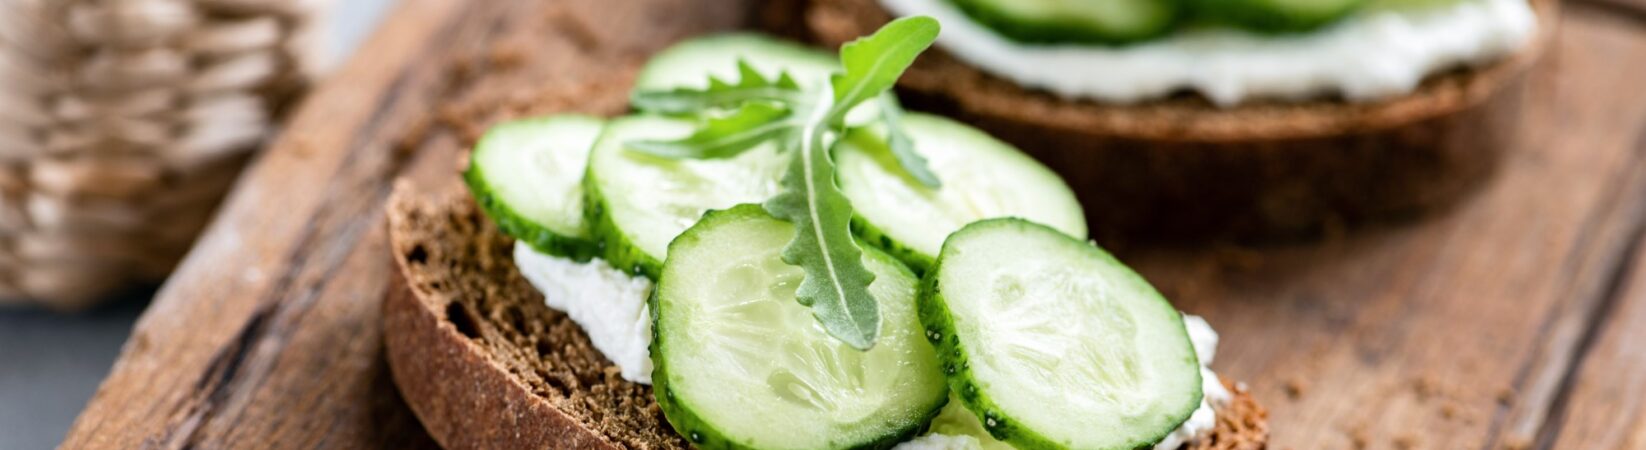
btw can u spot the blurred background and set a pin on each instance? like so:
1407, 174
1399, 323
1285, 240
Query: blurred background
51, 363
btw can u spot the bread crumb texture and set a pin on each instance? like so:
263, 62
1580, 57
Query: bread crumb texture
453, 252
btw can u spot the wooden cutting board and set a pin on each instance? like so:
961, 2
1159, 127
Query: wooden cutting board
1517, 320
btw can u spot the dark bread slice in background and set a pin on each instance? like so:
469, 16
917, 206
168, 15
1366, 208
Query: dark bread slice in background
1184, 168
485, 364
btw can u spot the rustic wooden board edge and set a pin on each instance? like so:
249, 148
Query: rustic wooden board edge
1534, 414
223, 318
1602, 403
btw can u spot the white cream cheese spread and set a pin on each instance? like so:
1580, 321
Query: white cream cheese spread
607, 303
610, 306
939, 441
1374, 54
1214, 394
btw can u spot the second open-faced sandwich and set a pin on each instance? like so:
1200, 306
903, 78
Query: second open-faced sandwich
789, 261
1188, 118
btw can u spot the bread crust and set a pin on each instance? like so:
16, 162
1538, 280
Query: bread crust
1182, 167
463, 389
460, 394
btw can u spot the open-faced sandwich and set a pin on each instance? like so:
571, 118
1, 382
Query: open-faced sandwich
770, 254
1195, 117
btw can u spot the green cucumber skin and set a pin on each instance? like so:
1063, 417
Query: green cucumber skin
871, 236
1052, 32
518, 227
685, 421
522, 229
915, 259
704, 436
610, 242
940, 332
1265, 17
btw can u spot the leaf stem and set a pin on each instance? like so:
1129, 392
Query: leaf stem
808, 145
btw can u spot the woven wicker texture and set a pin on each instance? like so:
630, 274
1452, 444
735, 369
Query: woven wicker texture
122, 124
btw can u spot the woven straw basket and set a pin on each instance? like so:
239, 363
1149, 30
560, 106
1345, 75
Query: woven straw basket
122, 124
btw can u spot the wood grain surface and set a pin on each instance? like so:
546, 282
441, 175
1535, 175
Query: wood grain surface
1605, 406
1461, 331
1517, 320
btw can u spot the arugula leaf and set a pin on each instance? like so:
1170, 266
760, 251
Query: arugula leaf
751, 86
749, 77
724, 136
688, 101
836, 286
874, 63
903, 147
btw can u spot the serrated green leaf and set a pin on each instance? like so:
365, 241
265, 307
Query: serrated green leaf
690, 101
725, 136
903, 147
749, 77
750, 87
836, 285
875, 62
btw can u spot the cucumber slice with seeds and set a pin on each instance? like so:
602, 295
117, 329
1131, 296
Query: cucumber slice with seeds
982, 178
527, 176
1054, 344
1075, 21
689, 64
638, 203
741, 365
956, 420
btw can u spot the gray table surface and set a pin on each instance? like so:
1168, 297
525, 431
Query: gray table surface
51, 364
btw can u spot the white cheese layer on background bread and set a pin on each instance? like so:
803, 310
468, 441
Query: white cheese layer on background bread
610, 306
1371, 55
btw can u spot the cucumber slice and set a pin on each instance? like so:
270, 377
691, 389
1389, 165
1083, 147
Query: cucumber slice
1053, 343
1277, 16
956, 420
740, 364
689, 64
527, 175
982, 178
638, 203
1075, 21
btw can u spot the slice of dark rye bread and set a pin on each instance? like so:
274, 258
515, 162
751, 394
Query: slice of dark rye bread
1181, 167
486, 365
